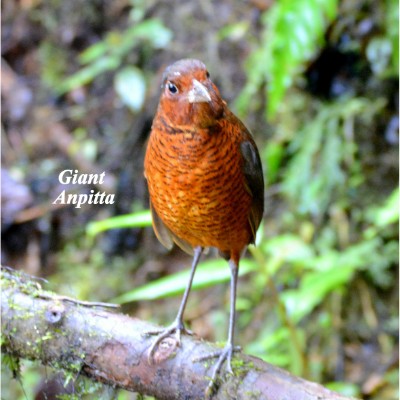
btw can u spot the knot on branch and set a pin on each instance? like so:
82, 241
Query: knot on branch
55, 313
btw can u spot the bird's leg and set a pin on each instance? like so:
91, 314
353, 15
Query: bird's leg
178, 326
226, 353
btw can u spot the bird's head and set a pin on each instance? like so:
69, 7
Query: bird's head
189, 97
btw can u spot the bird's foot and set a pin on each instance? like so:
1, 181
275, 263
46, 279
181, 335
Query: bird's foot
223, 355
169, 337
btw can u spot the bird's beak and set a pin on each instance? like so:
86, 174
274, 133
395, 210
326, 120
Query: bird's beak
198, 93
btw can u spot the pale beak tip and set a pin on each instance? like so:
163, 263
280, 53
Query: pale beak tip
198, 93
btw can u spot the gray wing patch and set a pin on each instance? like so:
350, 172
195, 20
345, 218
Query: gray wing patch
254, 183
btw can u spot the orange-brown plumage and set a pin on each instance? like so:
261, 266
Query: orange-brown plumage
195, 169
204, 173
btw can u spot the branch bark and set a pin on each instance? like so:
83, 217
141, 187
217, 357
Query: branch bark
112, 348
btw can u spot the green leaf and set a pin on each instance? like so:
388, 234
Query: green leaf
137, 220
379, 54
154, 31
234, 31
88, 73
345, 388
315, 174
93, 52
388, 213
275, 345
293, 32
208, 273
331, 7
392, 32
53, 62
313, 290
130, 84
108, 55
273, 155
329, 272
287, 247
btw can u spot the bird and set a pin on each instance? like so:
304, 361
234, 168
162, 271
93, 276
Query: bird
206, 185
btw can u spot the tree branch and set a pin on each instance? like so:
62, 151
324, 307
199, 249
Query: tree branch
112, 348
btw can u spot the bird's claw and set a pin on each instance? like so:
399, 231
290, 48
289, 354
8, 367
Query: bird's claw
175, 330
223, 355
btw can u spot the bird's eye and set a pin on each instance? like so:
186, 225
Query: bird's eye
207, 74
172, 88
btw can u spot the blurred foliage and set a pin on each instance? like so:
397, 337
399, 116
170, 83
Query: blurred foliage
109, 54
322, 270
293, 31
139, 219
383, 50
208, 273
324, 166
